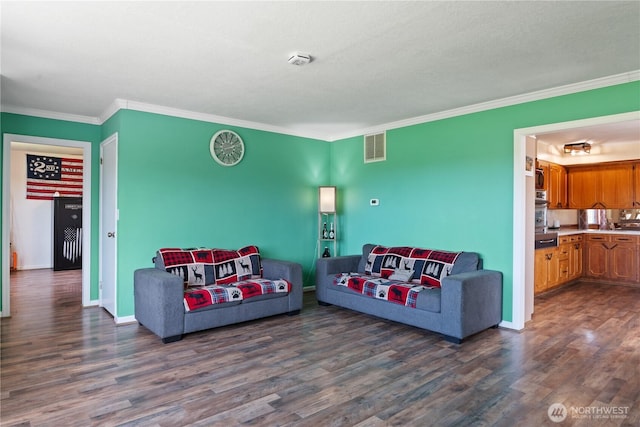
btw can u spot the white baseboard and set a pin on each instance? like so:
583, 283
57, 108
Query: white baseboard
125, 320
508, 325
33, 267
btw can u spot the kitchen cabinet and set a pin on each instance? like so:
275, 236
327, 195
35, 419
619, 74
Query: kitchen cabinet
544, 166
546, 269
557, 266
563, 263
636, 185
612, 257
602, 186
557, 191
570, 257
575, 256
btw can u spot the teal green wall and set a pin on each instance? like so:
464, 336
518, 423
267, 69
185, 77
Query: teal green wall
60, 129
448, 184
171, 193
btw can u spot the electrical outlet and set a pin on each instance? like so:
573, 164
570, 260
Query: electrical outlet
374, 202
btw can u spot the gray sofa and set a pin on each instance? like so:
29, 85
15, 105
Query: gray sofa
469, 300
160, 307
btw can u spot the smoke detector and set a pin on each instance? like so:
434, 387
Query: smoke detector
299, 58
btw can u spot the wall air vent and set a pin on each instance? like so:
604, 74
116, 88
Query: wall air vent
375, 149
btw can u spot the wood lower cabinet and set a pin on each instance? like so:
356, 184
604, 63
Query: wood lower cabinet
574, 247
612, 257
607, 257
557, 266
546, 270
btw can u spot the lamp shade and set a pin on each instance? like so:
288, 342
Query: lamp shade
327, 199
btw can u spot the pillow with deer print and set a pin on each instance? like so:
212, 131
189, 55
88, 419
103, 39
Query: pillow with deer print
233, 266
195, 266
200, 267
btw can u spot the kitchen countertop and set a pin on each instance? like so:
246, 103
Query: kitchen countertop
570, 231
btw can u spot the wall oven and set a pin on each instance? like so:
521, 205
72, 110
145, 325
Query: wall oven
541, 211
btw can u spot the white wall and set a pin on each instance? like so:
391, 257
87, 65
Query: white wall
31, 232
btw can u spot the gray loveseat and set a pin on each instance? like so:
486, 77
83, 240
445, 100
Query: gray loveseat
160, 293
469, 299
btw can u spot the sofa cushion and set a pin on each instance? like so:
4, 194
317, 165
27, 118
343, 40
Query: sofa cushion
380, 288
202, 266
429, 266
428, 299
199, 298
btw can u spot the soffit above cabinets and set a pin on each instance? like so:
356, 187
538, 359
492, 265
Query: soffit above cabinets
609, 142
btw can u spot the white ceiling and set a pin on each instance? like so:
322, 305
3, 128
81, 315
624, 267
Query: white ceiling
609, 142
374, 63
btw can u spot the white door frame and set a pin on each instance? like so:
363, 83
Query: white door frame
523, 270
86, 212
113, 139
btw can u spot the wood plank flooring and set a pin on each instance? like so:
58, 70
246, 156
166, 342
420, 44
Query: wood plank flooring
64, 365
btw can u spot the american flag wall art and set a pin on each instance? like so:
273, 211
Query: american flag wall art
47, 175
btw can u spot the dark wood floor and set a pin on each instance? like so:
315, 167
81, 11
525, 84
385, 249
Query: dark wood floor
62, 365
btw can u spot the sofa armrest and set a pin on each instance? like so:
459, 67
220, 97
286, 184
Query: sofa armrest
292, 271
338, 264
471, 302
159, 301
327, 268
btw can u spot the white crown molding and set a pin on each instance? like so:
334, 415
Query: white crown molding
113, 108
203, 117
123, 104
45, 114
498, 103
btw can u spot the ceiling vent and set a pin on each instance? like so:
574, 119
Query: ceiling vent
375, 149
299, 58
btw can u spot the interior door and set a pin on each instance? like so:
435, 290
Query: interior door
108, 223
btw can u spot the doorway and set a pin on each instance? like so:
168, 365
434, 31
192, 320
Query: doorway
523, 202
85, 146
108, 224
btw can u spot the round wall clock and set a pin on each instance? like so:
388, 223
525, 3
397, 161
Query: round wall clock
226, 148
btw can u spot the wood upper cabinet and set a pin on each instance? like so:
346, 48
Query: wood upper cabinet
557, 187
582, 187
617, 186
544, 165
603, 186
636, 185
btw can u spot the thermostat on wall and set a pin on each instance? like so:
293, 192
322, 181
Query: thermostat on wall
374, 202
